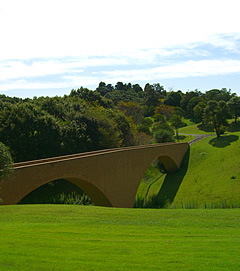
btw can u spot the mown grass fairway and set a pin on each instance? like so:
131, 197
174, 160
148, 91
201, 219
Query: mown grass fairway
71, 237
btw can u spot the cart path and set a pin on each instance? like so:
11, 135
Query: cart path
197, 137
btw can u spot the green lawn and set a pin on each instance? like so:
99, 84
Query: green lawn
196, 129
209, 176
71, 237
199, 128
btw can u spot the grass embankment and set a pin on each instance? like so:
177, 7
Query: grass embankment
71, 237
209, 176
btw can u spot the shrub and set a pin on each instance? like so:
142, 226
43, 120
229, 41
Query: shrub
6, 162
164, 135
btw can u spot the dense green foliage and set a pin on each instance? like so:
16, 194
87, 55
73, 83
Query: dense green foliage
63, 237
110, 116
47, 127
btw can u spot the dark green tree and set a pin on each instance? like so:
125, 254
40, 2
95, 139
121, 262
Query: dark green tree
234, 104
176, 121
198, 111
216, 115
173, 98
218, 95
151, 96
102, 89
30, 132
186, 99
91, 97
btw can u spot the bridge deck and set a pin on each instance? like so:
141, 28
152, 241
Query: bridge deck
83, 154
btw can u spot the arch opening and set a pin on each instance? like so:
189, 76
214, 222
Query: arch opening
150, 185
66, 191
59, 191
161, 184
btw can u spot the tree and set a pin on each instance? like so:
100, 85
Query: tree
176, 121
163, 135
173, 98
132, 109
218, 95
192, 103
137, 88
30, 132
162, 132
216, 115
198, 111
165, 110
234, 104
6, 162
91, 97
103, 89
179, 111
152, 95
145, 126
186, 99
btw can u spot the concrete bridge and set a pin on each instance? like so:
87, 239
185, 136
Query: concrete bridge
110, 177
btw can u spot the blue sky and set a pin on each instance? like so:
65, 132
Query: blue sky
49, 47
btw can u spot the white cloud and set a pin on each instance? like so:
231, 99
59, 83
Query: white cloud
18, 69
230, 42
83, 28
179, 70
11, 69
61, 39
28, 85
185, 69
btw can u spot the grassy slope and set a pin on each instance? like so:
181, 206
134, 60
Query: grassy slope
213, 172
195, 129
212, 175
199, 128
64, 237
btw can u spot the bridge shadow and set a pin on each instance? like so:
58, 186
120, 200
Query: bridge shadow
223, 141
171, 185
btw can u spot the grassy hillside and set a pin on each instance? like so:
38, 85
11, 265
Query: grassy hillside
71, 237
209, 177
196, 129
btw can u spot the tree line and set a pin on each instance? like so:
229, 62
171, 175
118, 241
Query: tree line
107, 117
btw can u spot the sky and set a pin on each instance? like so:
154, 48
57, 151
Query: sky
48, 48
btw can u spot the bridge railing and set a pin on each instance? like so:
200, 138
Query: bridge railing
84, 154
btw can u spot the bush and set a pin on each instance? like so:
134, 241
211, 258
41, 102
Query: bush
164, 135
143, 128
6, 162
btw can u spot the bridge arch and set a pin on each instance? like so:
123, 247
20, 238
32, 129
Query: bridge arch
96, 195
168, 163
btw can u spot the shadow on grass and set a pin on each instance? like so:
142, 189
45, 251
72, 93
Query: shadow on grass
204, 128
181, 137
171, 184
223, 141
